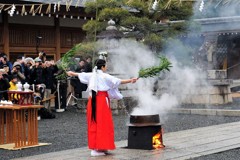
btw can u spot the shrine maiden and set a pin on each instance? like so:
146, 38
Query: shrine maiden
101, 87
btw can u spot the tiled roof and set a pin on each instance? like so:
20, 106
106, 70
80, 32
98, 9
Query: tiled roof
79, 3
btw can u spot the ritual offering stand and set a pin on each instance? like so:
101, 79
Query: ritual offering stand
18, 131
21, 97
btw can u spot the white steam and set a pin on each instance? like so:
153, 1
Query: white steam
158, 95
130, 56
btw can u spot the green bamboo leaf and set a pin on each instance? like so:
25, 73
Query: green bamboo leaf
66, 61
165, 64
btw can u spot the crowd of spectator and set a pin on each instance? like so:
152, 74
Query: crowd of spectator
39, 72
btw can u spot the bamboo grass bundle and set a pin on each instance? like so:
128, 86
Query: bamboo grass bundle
153, 71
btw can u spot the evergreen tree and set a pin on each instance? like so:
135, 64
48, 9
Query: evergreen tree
144, 20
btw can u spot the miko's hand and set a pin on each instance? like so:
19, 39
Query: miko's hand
134, 80
70, 73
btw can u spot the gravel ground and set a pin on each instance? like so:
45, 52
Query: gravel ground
68, 131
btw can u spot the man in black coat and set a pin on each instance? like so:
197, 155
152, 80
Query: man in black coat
50, 70
88, 64
37, 74
4, 85
77, 85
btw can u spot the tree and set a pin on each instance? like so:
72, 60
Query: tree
137, 19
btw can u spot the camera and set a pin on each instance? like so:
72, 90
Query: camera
18, 68
5, 58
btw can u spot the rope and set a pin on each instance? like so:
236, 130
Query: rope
233, 66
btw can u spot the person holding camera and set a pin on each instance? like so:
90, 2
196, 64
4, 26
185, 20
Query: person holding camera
20, 59
37, 72
37, 75
7, 71
4, 61
16, 71
42, 55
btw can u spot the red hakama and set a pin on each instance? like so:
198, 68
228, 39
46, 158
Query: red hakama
101, 132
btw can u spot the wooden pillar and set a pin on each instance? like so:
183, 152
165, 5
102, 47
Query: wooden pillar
5, 34
58, 39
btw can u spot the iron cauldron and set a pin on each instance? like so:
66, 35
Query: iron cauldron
144, 120
141, 129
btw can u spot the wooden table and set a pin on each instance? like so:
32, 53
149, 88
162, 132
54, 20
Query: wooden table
22, 97
16, 129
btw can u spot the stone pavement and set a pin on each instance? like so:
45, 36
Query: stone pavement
180, 145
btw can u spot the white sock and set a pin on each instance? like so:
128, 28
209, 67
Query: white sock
95, 153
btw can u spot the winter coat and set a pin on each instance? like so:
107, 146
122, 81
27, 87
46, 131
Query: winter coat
37, 75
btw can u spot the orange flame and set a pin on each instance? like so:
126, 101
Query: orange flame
157, 141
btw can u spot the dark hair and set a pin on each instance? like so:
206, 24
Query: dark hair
100, 63
88, 57
19, 57
94, 107
13, 76
82, 60
4, 56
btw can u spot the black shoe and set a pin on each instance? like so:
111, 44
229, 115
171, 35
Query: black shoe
45, 114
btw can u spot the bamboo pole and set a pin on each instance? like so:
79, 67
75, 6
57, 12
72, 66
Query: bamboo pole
24, 128
14, 127
2, 127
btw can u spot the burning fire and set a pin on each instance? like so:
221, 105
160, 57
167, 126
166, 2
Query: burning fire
157, 141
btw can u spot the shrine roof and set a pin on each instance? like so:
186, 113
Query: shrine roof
80, 3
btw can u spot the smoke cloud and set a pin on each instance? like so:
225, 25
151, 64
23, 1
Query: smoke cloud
160, 94
154, 95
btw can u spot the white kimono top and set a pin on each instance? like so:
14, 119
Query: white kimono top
104, 82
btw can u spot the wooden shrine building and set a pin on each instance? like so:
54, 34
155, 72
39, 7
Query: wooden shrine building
40, 25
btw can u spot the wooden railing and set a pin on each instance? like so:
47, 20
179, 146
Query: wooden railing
27, 36
71, 37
